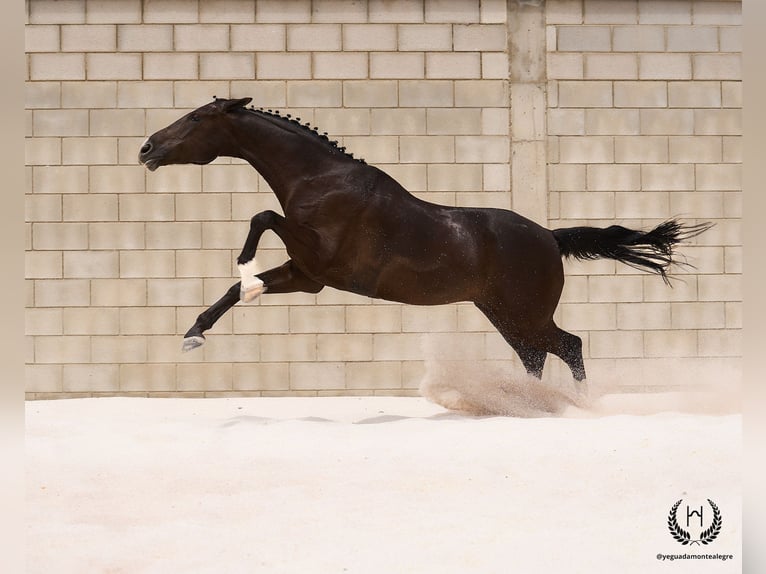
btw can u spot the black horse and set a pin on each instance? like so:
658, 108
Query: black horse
351, 226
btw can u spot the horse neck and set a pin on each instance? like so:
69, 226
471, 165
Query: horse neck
283, 157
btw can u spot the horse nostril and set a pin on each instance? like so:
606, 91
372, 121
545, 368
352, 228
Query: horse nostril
146, 148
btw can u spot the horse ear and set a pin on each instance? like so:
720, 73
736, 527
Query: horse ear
229, 105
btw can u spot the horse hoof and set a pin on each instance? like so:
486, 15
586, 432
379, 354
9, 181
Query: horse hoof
192, 343
247, 295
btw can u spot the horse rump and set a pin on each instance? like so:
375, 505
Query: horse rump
649, 250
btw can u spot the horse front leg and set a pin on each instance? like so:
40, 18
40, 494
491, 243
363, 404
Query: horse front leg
251, 286
286, 278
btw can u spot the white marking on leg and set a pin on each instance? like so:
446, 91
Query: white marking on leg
252, 286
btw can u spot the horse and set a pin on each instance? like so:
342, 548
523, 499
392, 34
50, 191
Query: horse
350, 226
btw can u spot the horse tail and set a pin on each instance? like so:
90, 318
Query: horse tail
648, 250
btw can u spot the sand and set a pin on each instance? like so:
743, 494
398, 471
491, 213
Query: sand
376, 485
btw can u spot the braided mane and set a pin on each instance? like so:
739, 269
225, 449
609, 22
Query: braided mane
291, 121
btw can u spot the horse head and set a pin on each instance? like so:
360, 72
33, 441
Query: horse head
198, 137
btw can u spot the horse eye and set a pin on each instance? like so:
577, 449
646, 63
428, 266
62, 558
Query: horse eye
194, 118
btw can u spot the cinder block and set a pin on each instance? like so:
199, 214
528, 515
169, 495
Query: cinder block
374, 319
145, 38
609, 177
639, 38
481, 93
319, 319
664, 67
724, 13
719, 177
170, 66
226, 66
644, 205
91, 264
436, 93
369, 37
179, 292
88, 38
294, 347
64, 12
113, 66
370, 93
730, 38
495, 121
173, 235
57, 123
563, 12
56, 66
342, 66
170, 11
41, 38
453, 65
57, 236
697, 149
718, 122
149, 377
314, 37
283, 66
611, 67
425, 37
592, 204
258, 37
339, 11
84, 321
671, 122
479, 38
89, 151
452, 11
43, 322
694, 94
644, 316
400, 65
313, 376
698, 316
395, 121
731, 94
144, 95
566, 122
455, 177
612, 122
589, 316
427, 149
42, 95
42, 378
147, 320
641, 149
656, 291
204, 377
643, 94
429, 319
670, 343
43, 265
374, 375
615, 344
692, 39
611, 11
732, 149
720, 343
584, 39
204, 263
118, 292
201, 37
90, 378
481, 148
280, 11
566, 177
667, 177
590, 149
147, 263
616, 289
341, 122
261, 376
565, 66
323, 94
665, 12
591, 94
62, 349
717, 66
117, 123
260, 319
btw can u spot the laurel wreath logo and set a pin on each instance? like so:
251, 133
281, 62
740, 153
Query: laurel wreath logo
683, 537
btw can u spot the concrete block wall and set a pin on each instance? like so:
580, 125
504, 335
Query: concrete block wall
632, 106
644, 123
